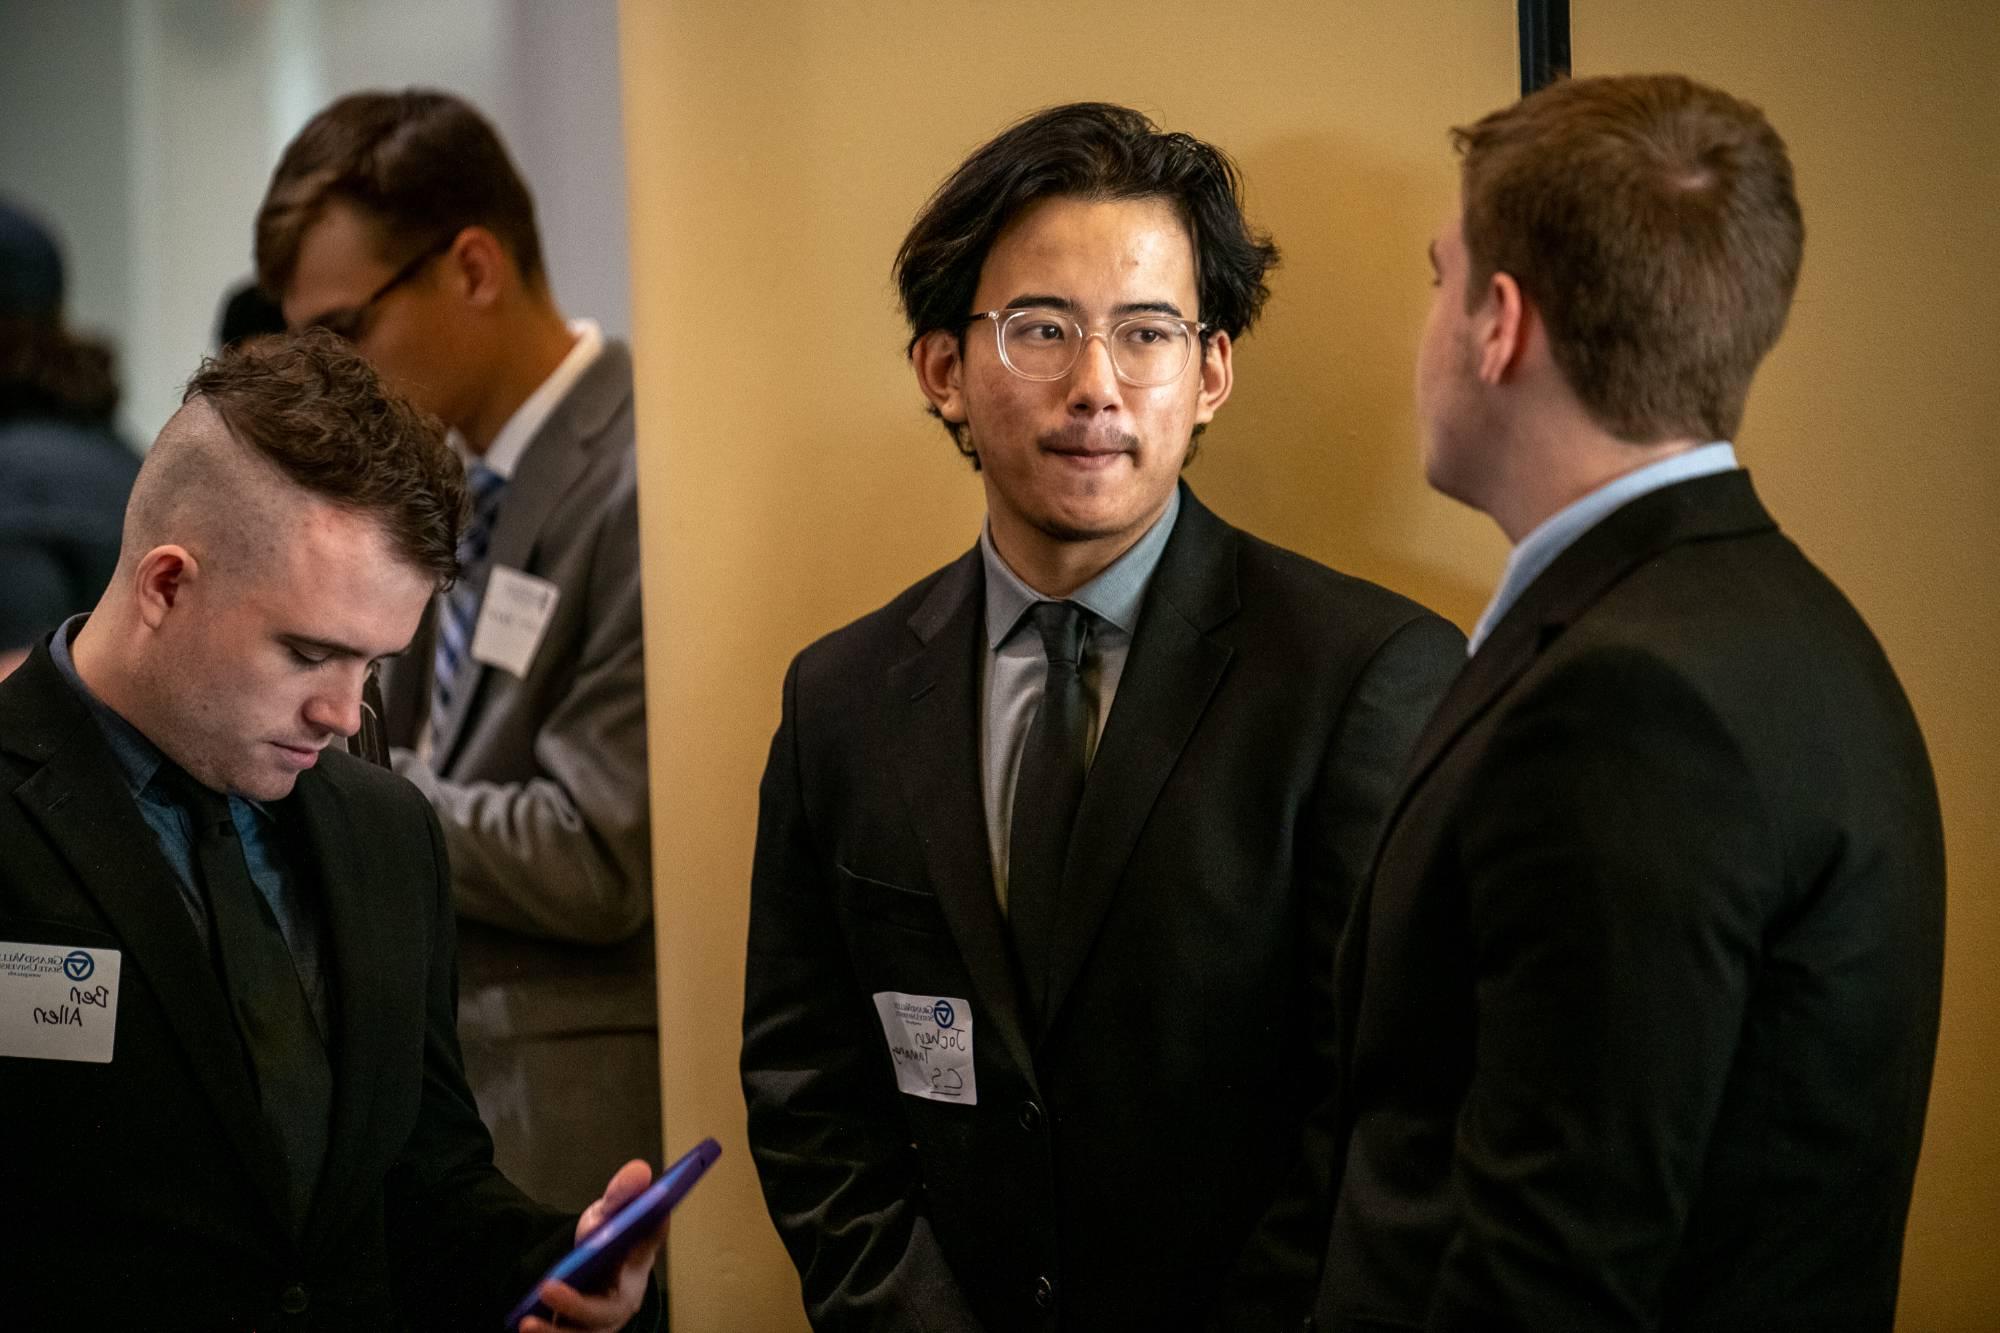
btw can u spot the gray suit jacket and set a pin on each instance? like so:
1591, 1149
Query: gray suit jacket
540, 780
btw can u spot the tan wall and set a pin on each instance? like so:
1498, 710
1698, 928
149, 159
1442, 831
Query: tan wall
791, 482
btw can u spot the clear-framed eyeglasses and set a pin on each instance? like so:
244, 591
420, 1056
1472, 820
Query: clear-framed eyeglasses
1037, 343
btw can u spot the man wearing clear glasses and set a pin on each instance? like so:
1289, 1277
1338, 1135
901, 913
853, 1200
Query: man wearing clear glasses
1054, 848
398, 221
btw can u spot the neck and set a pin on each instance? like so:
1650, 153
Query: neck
526, 353
1552, 472
1055, 567
94, 654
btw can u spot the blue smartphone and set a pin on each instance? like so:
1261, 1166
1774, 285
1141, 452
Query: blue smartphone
594, 1261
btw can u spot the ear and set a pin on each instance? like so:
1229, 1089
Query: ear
479, 267
159, 581
1501, 329
939, 360
1218, 376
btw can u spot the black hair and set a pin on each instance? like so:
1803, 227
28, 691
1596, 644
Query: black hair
1085, 150
1090, 150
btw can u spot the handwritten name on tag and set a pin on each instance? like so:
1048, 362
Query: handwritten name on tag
513, 616
930, 1042
58, 1002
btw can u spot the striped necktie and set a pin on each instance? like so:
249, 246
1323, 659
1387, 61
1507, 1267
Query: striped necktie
461, 605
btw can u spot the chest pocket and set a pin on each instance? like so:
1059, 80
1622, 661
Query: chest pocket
865, 900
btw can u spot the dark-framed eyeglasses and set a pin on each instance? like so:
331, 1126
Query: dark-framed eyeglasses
1038, 343
350, 322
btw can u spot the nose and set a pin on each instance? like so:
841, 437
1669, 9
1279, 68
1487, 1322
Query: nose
1094, 385
337, 706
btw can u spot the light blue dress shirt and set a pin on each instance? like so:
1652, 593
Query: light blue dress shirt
1560, 530
1016, 669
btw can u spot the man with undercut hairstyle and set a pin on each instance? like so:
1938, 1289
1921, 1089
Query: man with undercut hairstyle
398, 221
1640, 1005
1054, 848
233, 1090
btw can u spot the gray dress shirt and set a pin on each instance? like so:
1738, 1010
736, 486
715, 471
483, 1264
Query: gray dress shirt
1015, 668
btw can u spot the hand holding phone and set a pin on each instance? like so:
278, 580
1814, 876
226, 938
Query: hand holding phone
593, 1264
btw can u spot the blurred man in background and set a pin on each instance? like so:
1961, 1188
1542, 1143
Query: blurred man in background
398, 221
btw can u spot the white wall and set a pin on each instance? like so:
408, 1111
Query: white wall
63, 143
144, 131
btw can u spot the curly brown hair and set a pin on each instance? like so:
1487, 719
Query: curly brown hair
311, 406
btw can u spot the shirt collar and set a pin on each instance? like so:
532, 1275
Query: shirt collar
1114, 595
138, 758
1559, 531
504, 454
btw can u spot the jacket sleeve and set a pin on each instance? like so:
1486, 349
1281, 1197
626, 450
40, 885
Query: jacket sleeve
1620, 869
566, 854
832, 1149
1275, 1279
466, 1243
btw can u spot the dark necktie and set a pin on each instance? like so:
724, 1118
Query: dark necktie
294, 1078
458, 616
1046, 794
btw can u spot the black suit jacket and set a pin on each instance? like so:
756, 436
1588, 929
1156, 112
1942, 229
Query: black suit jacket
1152, 1155
146, 1192
1644, 992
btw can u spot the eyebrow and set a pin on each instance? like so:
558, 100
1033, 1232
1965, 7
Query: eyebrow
1069, 307
333, 649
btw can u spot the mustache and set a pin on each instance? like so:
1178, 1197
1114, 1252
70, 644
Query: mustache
1075, 438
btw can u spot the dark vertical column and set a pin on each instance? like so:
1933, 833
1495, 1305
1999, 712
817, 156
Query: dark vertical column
1544, 42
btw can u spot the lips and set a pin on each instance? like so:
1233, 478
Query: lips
300, 756
1079, 442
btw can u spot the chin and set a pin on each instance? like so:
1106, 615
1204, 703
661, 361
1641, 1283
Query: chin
1080, 526
264, 785
277, 788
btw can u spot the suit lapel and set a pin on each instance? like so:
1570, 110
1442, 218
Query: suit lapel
363, 959
82, 803
1706, 508
1170, 674
1723, 505
933, 710
558, 455
551, 464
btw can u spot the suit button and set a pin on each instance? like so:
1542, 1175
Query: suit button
1045, 1292
1031, 1117
292, 1300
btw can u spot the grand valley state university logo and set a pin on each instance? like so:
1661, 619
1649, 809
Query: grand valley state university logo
28, 960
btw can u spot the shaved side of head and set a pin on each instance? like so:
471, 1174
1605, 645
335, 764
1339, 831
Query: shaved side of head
202, 489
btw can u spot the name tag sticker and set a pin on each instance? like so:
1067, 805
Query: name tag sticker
930, 1041
58, 1002
513, 616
